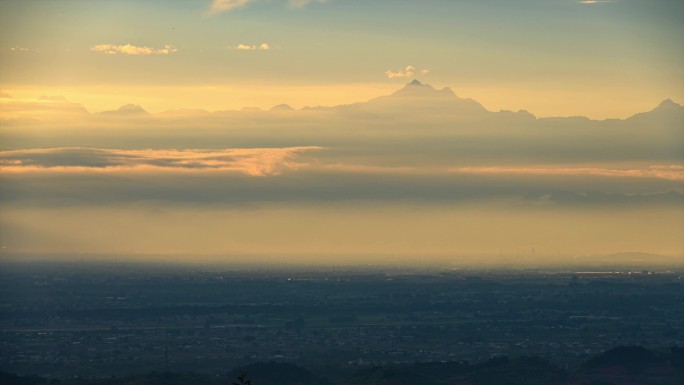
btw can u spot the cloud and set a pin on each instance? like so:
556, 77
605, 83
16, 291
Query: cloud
18, 48
129, 49
594, 1
249, 161
303, 3
244, 177
667, 172
408, 72
567, 198
227, 176
252, 47
218, 6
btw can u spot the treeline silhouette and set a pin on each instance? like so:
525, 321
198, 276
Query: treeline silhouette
618, 366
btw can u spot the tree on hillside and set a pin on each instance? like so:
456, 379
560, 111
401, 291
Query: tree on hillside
242, 380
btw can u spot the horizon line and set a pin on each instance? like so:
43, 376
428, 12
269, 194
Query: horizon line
7, 96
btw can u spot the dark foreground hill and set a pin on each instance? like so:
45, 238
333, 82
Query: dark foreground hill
499, 370
264, 373
633, 365
630, 365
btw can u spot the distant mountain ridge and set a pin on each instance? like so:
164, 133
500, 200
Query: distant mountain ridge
665, 109
127, 110
414, 98
424, 98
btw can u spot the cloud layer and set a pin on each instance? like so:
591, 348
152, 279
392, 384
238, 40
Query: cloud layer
129, 49
249, 161
219, 6
310, 174
421, 170
252, 47
303, 3
227, 5
594, 1
668, 172
409, 72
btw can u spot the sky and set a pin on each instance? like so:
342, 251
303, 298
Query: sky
603, 59
365, 132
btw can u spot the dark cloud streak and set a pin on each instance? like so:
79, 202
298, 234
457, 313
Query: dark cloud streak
321, 187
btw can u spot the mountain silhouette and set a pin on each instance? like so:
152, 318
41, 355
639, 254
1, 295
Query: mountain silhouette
282, 107
127, 110
417, 99
667, 109
420, 98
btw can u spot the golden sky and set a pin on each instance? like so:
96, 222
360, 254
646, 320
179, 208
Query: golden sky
140, 128
607, 59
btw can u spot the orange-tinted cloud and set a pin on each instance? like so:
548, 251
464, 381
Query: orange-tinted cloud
668, 172
129, 49
218, 6
250, 161
409, 72
252, 47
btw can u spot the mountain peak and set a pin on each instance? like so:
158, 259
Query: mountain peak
131, 108
282, 107
416, 89
668, 108
127, 110
668, 103
425, 98
447, 91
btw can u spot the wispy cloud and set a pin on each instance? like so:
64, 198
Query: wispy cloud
250, 161
667, 172
252, 47
303, 3
18, 48
218, 6
664, 172
244, 176
409, 72
594, 1
129, 49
